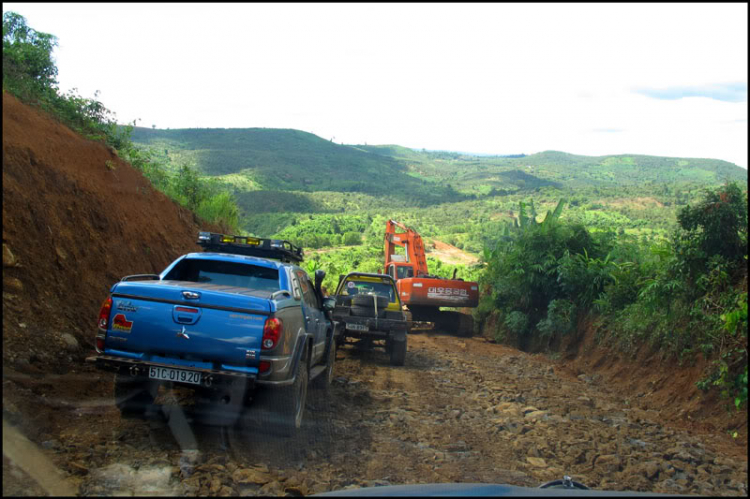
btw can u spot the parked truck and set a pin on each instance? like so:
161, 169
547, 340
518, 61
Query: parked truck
368, 309
240, 317
422, 293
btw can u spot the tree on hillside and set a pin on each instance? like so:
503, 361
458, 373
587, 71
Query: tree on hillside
28, 67
717, 225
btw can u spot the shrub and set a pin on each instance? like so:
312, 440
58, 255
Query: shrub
561, 318
352, 239
517, 322
717, 226
220, 209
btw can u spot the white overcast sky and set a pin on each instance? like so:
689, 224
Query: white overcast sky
660, 79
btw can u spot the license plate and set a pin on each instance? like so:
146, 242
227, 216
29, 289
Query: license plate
357, 327
179, 375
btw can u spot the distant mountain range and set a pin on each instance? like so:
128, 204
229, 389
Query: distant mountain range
263, 159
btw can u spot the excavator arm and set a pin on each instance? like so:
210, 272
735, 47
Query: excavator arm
411, 241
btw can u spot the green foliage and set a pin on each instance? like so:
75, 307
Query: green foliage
319, 231
545, 270
735, 320
716, 227
733, 381
517, 322
220, 209
585, 278
561, 318
677, 294
28, 68
351, 239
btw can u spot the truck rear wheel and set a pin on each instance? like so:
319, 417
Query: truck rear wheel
289, 402
132, 395
397, 350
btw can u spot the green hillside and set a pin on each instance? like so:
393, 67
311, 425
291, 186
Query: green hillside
480, 174
630, 169
254, 159
290, 160
283, 177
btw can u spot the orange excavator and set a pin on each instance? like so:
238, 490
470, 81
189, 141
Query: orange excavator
422, 293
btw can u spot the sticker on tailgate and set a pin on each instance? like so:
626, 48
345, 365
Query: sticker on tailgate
121, 323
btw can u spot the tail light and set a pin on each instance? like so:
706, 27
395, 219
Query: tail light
271, 333
104, 313
264, 366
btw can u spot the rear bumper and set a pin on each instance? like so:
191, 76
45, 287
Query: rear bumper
377, 328
139, 368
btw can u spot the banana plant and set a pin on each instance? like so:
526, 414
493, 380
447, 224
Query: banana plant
525, 220
552, 216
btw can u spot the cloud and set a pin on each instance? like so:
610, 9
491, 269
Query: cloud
727, 92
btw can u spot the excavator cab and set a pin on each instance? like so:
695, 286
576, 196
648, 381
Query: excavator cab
400, 271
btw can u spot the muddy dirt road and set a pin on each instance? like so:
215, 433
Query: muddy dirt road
460, 410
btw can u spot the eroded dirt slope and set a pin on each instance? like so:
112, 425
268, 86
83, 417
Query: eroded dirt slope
76, 219
451, 255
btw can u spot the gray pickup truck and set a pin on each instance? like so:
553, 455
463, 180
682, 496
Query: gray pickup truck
368, 309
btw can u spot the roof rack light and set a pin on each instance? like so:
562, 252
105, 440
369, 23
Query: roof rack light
250, 246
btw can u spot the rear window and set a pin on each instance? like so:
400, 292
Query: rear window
352, 287
240, 275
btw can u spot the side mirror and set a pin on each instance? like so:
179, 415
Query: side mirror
329, 304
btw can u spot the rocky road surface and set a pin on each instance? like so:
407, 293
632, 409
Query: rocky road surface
460, 410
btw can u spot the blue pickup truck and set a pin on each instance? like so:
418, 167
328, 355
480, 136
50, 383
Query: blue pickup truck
239, 318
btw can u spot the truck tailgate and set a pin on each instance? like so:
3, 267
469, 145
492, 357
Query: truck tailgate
191, 321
